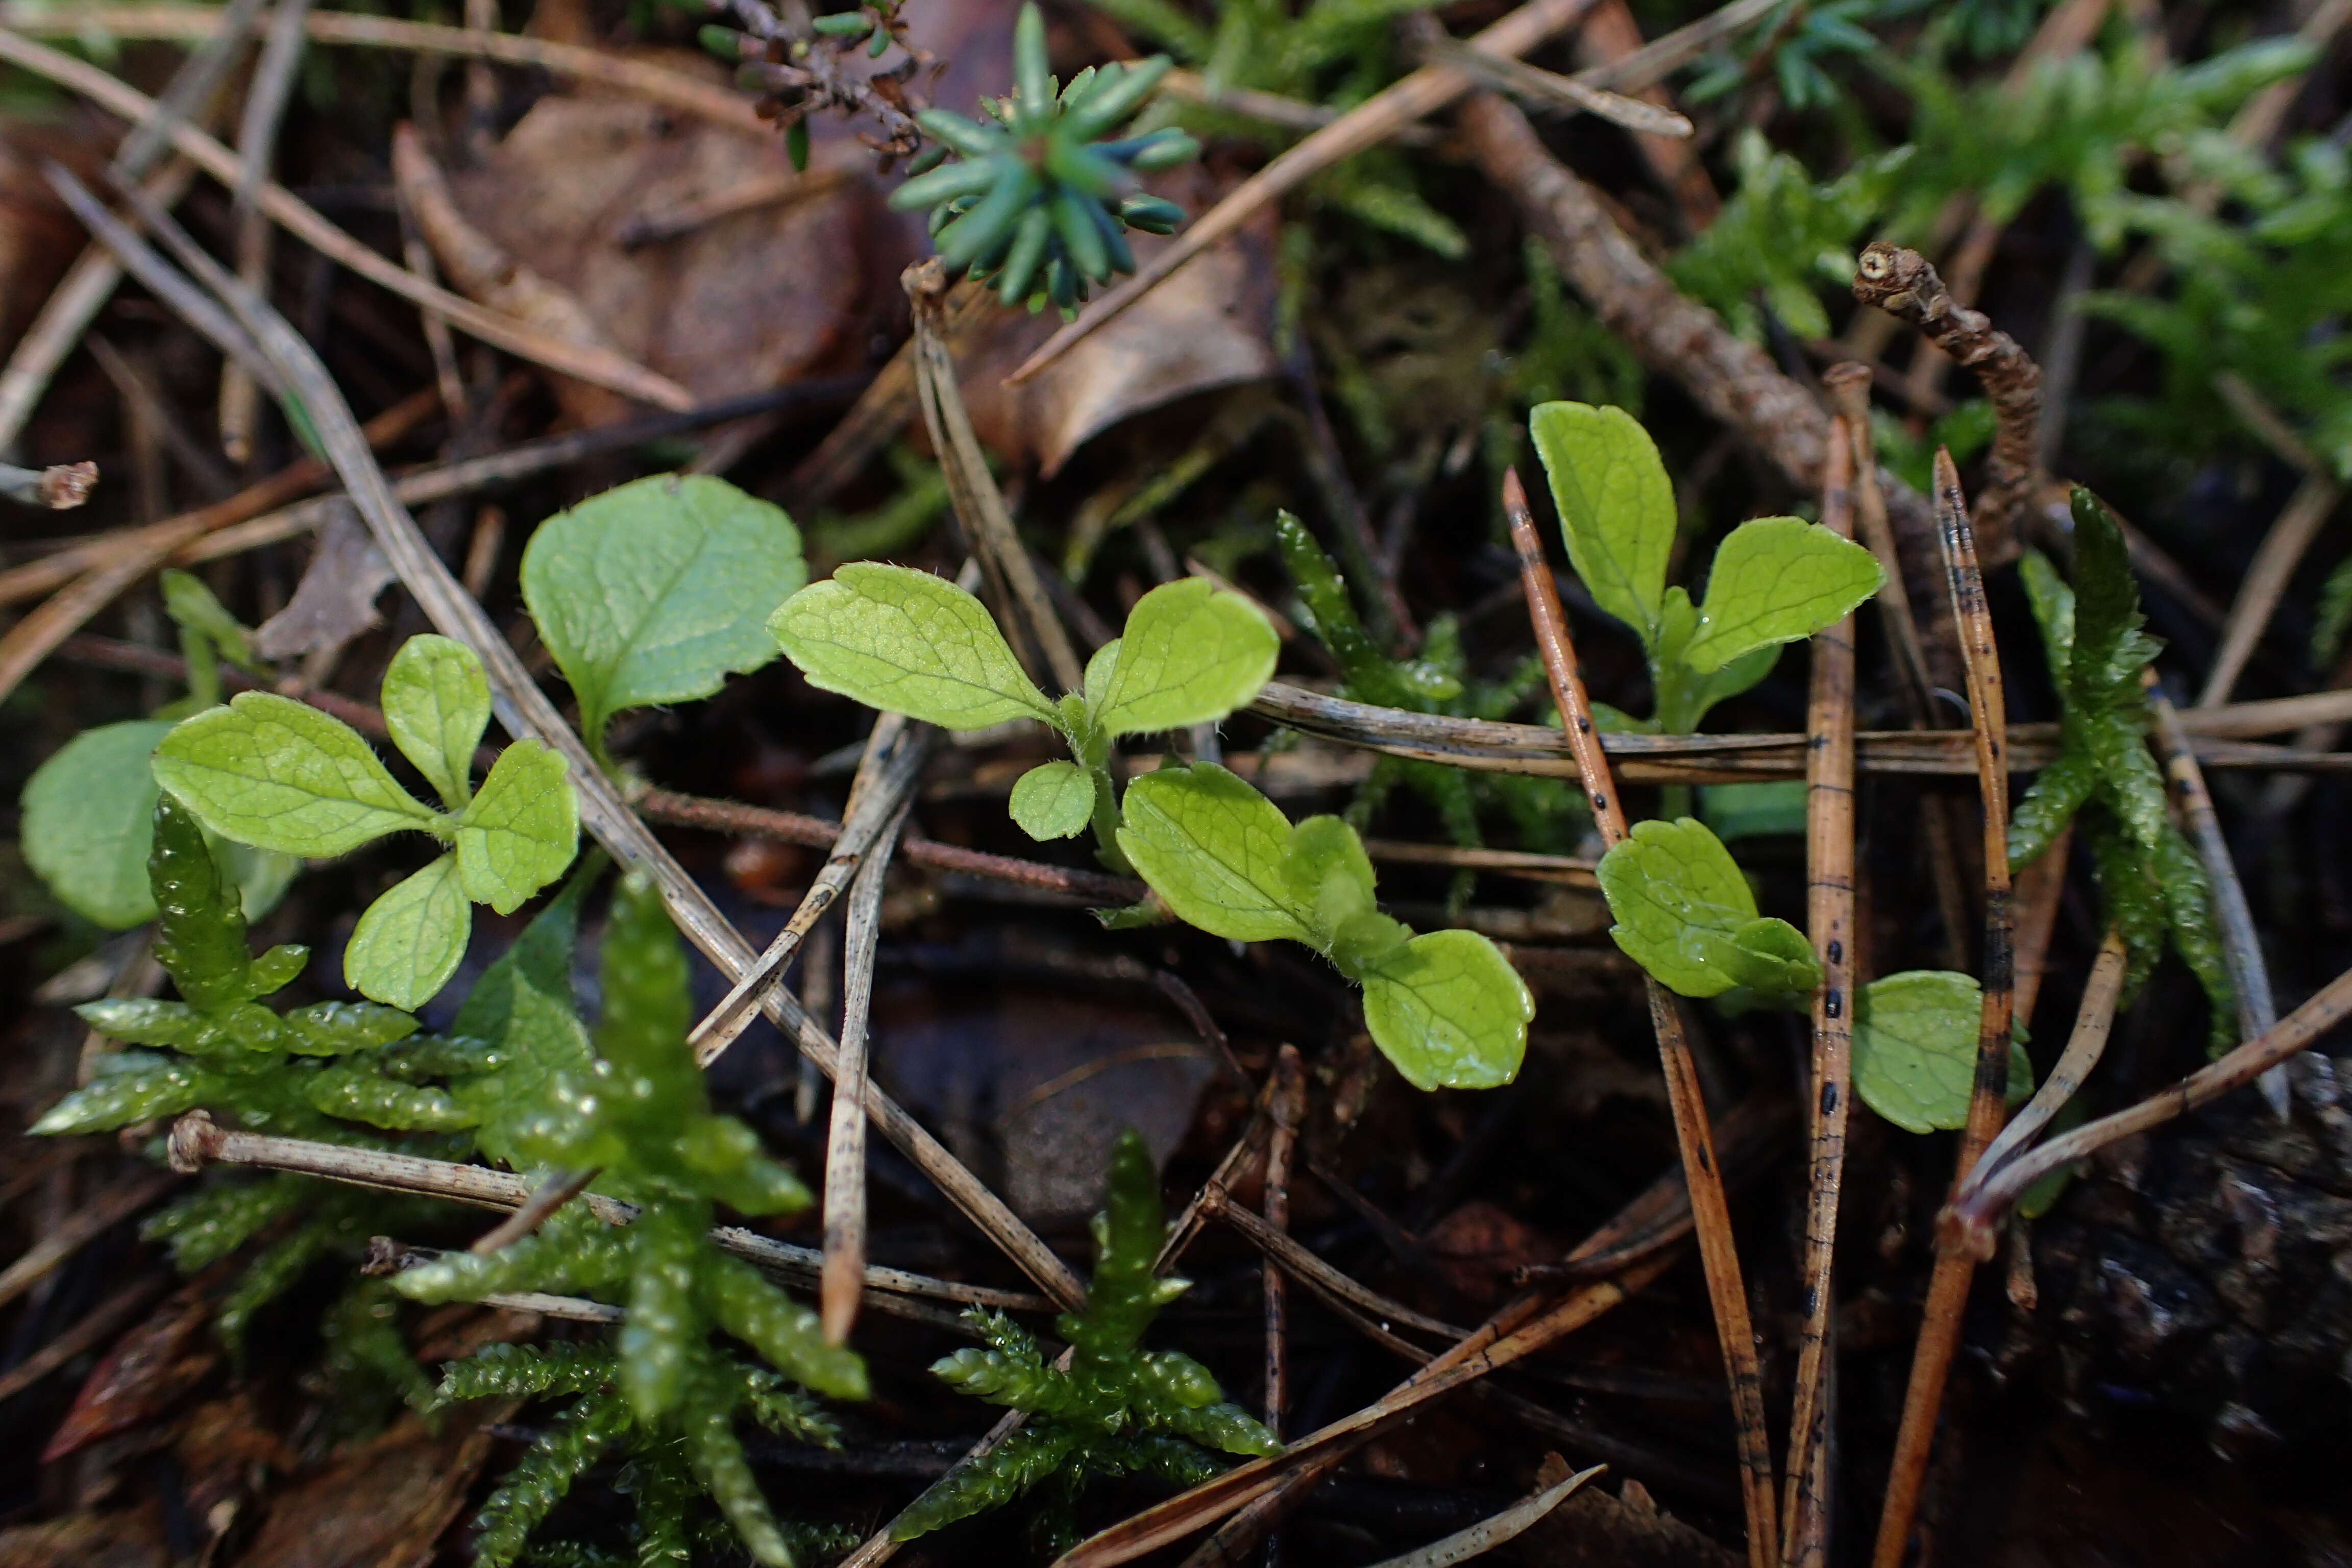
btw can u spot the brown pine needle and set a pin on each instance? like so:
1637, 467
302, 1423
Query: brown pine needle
1717, 1254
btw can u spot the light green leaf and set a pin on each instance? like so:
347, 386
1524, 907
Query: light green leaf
1449, 1011
408, 941
1616, 506
270, 772
655, 590
523, 1006
89, 819
1915, 1049
1054, 800
436, 703
906, 642
1216, 850
191, 604
1330, 876
521, 831
1753, 810
1771, 958
1775, 579
1191, 653
1678, 898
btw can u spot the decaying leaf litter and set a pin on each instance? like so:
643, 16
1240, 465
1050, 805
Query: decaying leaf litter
1175, 516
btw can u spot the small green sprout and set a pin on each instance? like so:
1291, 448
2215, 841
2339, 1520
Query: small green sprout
1119, 1409
1036, 207
640, 1113
1914, 1049
1445, 1006
278, 774
906, 642
1685, 914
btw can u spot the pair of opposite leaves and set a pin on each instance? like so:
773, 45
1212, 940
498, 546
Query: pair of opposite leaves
1445, 1007
650, 593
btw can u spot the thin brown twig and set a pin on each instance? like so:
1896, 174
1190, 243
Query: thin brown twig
265, 97
1422, 93
1829, 908
1289, 1108
109, 1209
2283, 548
556, 1189
1286, 1254
85, 1332
61, 487
843, 1284
1947, 1287
600, 366
1719, 1256
2094, 1019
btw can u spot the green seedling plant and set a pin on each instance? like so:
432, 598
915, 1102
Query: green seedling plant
342, 1072
89, 809
1117, 1409
597, 1423
654, 591
1445, 1007
2104, 777
1435, 682
640, 1115
1036, 206
906, 642
278, 774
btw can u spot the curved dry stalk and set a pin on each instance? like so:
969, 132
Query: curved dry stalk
1947, 1287
1493, 1531
2290, 534
2092, 1021
1717, 1254
1828, 918
844, 1148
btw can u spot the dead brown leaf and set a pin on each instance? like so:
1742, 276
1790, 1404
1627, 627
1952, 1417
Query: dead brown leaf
335, 600
379, 1504
1478, 1249
146, 1373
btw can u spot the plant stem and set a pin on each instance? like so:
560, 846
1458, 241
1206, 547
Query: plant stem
1829, 910
1717, 1253
1947, 1287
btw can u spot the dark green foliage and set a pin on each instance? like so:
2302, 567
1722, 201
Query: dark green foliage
1035, 205
639, 1113
1117, 1409
523, 1012
666, 1472
1434, 683
2149, 876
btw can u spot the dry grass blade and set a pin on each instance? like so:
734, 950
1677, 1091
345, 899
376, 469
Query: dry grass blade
1712, 1213
524, 710
1829, 908
1382, 116
894, 757
1282, 1251
299, 218
1948, 1287
2087, 1043
1489, 1533
558, 1188
845, 1150
107, 1210
265, 106
1526, 81
2283, 548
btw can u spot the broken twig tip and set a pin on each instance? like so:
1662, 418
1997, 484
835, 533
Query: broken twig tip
59, 488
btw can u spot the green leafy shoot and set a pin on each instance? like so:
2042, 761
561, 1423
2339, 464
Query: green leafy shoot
1775, 579
1914, 1049
2150, 878
670, 1469
341, 1072
1445, 1006
655, 590
1685, 914
1118, 1409
906, 642
1436, 682
1035, 205
639, 1112
274, 773
89, 809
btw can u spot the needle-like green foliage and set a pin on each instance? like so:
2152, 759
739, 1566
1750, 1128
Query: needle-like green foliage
1036, 206
1117, 1409
663, 1465
2104, 776
641, 1115
1434, 683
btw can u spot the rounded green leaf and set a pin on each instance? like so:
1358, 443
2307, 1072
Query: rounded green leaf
1772, 958
88, 817
1914, 1049
436, 703
1216, 850
1775, 579
1191, 653
408, 941
1054, 800
521, 830
906, 642
655, 590
1677, 896
1450, 1011
272, 772
1616, 506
